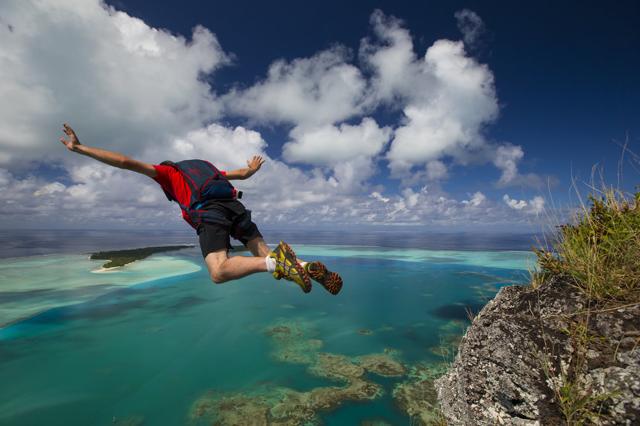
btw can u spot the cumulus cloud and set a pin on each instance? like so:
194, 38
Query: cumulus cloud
376, 195
533, 206
514, 204
50, 188
392, 60
432, 207
470, 25
537, 204
227, 148
436, 170
506, 159
124, 84
476, 199
329, 144
447, 99
313, 94
449, 121
319, 90
129, 87
93, 198
446, 96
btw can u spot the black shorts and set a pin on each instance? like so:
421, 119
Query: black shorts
215, 236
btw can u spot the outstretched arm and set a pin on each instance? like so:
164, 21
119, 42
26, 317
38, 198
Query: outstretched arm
114, 159
253, 166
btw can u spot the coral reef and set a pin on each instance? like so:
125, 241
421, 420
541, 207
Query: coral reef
285, 406
417, 396
383, 364
450, 335
292, 344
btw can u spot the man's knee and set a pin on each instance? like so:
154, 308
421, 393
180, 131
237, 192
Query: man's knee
217, 277
215, 264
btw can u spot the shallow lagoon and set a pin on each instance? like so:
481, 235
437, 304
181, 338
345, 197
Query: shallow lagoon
150, 346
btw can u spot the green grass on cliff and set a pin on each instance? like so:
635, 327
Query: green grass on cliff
599, 252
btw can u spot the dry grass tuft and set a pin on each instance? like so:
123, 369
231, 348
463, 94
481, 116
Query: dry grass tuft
600, 251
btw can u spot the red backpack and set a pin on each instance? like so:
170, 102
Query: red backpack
206, 183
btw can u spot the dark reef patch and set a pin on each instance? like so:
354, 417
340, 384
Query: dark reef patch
189, 301
456, 311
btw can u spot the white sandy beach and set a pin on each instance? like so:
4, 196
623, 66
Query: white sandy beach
31, 285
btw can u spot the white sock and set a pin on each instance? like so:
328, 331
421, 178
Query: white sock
271, 263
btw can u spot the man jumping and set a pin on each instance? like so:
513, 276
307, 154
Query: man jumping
210, 205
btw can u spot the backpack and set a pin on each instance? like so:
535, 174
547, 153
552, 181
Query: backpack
206, 183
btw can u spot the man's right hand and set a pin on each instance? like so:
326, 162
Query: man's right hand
72, 143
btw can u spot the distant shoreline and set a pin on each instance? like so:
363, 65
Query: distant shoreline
117, 258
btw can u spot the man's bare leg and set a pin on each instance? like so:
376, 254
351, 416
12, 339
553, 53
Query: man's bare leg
223, 268
258, 247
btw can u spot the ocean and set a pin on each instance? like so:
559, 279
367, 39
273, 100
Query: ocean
156, 343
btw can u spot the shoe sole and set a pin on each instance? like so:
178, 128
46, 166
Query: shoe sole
306, 286
331, 281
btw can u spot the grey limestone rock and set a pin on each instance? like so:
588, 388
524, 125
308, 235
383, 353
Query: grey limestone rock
517, 349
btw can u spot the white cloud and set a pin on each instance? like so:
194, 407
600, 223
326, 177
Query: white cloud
447, 99
396, 73
506, 159
378, 196
537, 204
123, 84
446, 96
129, 87
278, 194
49, 189
476, 199
351, 176
226, 148
436, 170
533, 206
470, 25
323, 89
411, 198
448, 120
514, 204
95, 198
329, 144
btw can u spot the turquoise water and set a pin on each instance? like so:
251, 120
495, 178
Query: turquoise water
144, 343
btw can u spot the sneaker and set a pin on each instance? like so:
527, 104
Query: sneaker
331, 281
287, 267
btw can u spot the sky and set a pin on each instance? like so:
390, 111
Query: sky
435, 115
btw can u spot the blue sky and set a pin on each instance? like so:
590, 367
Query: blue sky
441, 115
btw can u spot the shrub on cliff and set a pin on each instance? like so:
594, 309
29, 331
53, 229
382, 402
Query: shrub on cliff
600, 251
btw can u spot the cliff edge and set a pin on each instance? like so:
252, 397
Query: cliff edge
545, 356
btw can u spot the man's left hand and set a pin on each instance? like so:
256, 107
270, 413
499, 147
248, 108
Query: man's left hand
255, 163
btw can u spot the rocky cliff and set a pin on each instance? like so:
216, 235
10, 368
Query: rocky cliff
545, 357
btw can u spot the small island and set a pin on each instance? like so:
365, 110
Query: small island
123, 257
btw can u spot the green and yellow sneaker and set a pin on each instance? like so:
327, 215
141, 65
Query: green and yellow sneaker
287, 267
331, 281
